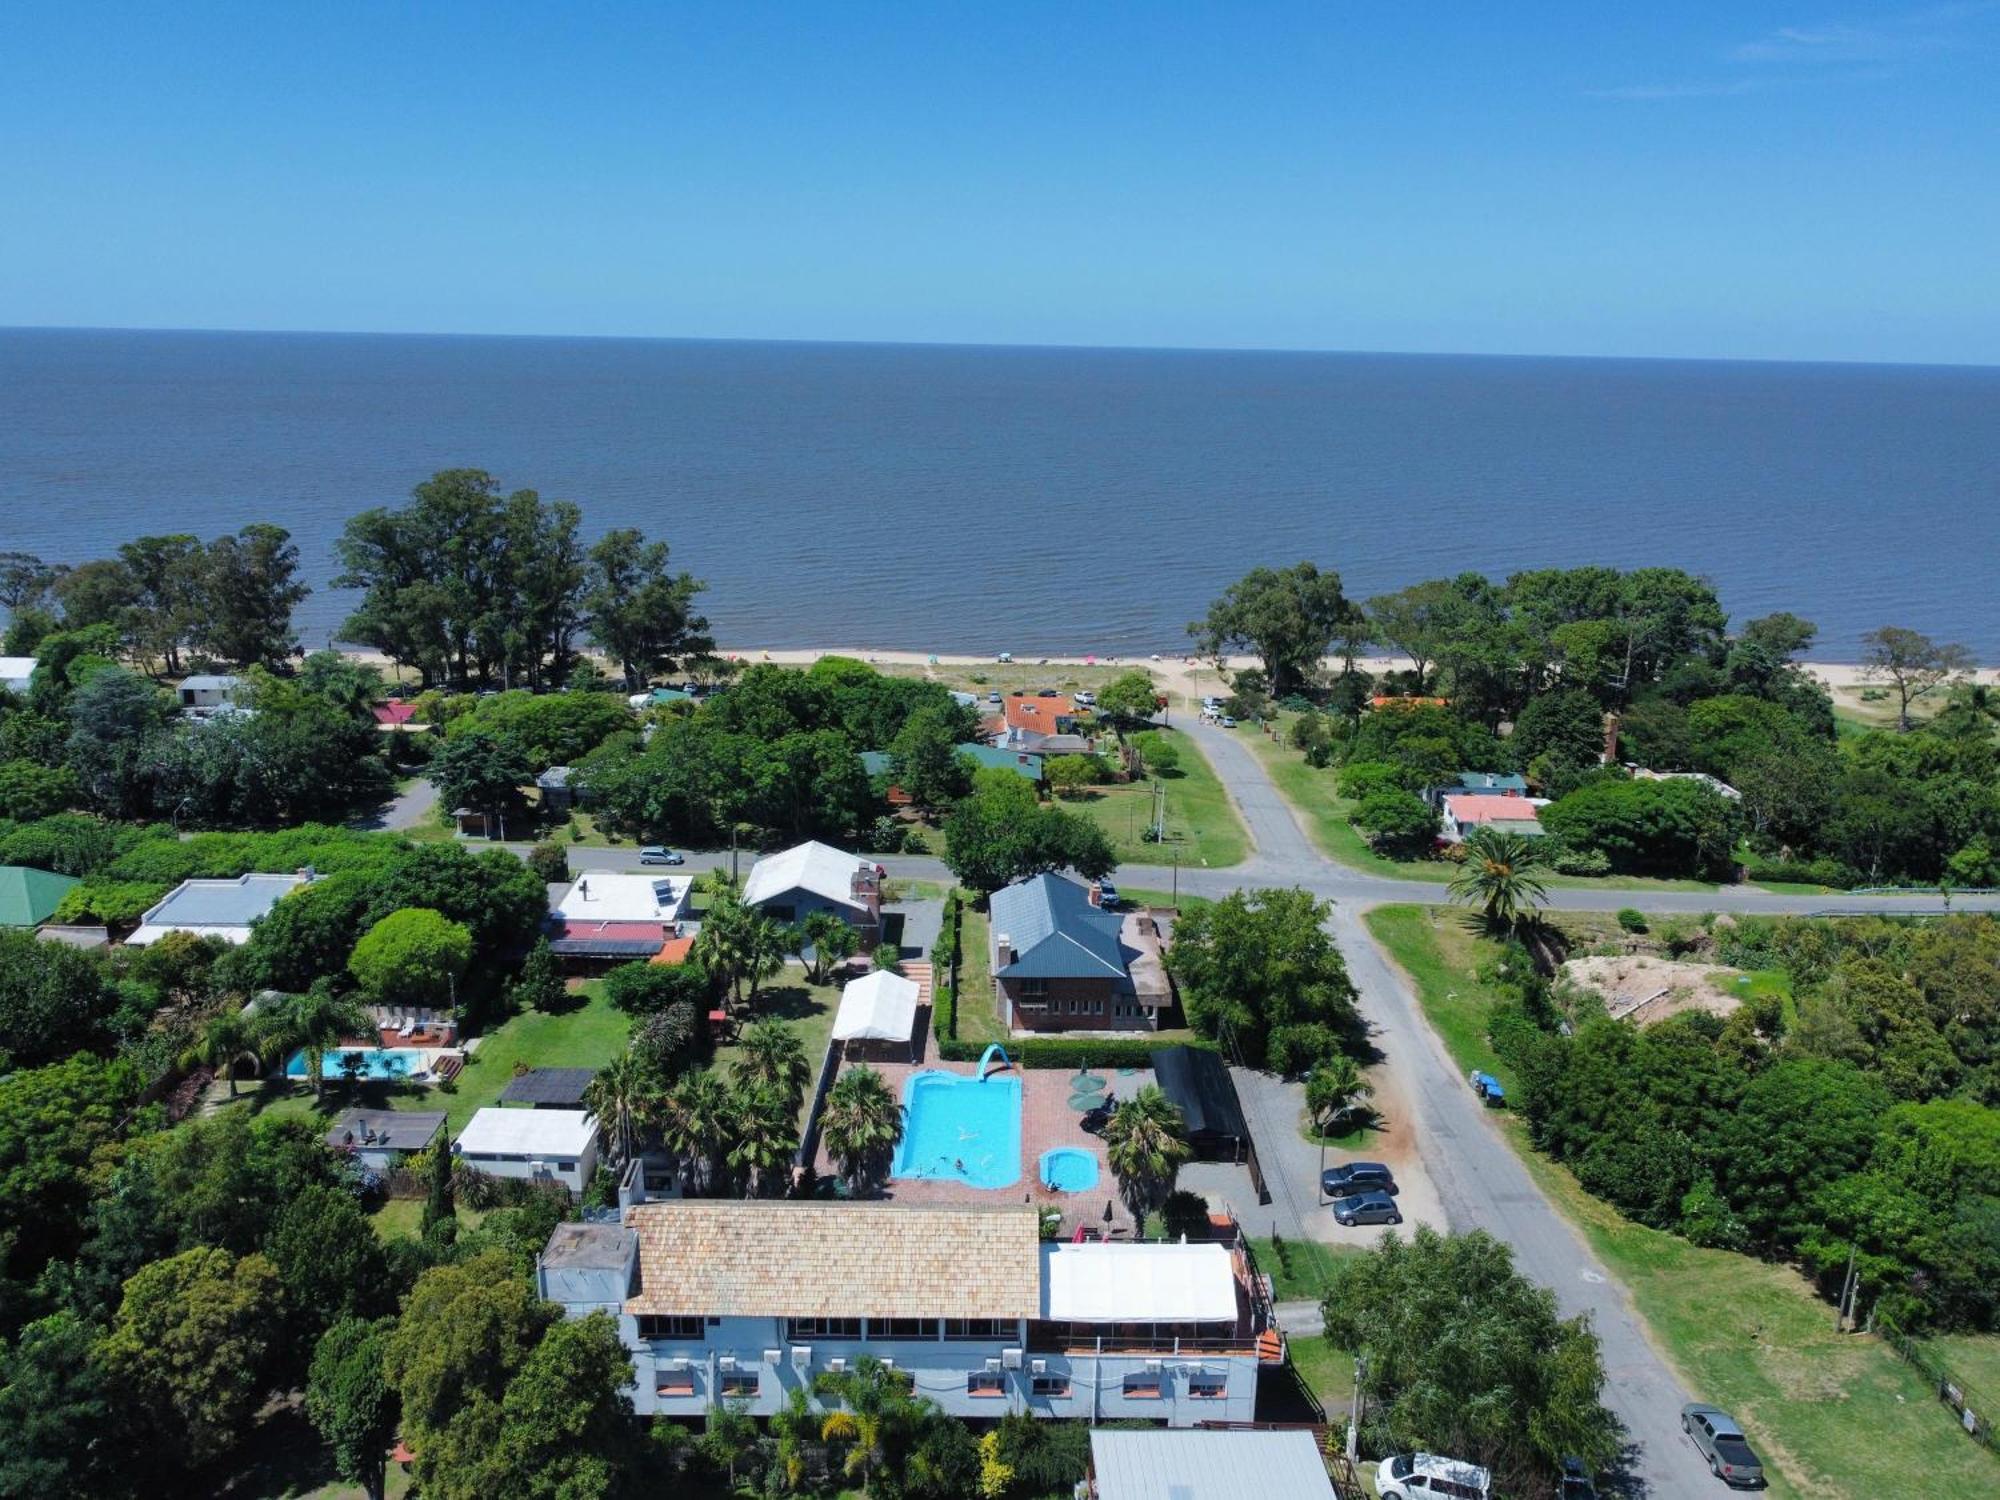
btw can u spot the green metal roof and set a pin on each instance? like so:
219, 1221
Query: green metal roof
29, 897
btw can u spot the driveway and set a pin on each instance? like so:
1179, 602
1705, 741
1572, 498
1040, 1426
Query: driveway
409, 808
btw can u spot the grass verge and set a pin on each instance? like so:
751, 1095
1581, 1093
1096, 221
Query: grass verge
1746, 1334
1201, 821
1299, 1272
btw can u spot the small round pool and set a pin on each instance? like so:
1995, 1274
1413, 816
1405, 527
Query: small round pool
1069, 1169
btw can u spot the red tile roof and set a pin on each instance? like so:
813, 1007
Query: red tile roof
1026, 711
1484, 809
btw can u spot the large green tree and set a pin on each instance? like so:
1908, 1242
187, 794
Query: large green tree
862, 1124
1288, 617
412, 957
638, 610
190, 1348
349, 1402
1462, 1354
1258, 964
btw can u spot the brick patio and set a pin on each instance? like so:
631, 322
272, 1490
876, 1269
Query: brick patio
1047, 1122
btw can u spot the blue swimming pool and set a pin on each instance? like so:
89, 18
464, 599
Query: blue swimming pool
376, 1062
1069, 1169
961, 1129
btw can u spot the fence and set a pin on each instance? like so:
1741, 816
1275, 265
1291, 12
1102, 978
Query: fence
809, 1137
1975, 1414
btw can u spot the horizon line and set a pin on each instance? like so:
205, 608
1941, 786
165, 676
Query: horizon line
1027, 346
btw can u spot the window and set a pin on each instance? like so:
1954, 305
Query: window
739, 1383
1051, 1385
675, 1383
903, 1328
1142, 1387
1207, 1387
980, 1328
803, 1330
655, 1327
986, 1383
1034, 989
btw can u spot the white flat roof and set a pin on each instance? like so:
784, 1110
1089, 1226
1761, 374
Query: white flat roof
880, 1006
214, 908
528, 1132
1158, 1464
609, 896
16, 668
1109, 1283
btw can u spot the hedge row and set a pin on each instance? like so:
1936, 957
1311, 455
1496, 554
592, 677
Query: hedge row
1071, 1052
944, 971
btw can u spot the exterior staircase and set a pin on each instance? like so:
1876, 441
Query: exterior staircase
918, 969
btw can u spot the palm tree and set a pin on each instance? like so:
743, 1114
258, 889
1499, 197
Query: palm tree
796, 1426
767, 1133
1499, 877
773, 1057
225, 1041
695, 1119
739, 945
1333, 1089
619, 1096
831, 940
862, 1125
875, 1403
313, 1023
1145, 1141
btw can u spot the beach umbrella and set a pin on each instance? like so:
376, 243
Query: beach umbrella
1084, 1103
1108, 1215
1086, 1082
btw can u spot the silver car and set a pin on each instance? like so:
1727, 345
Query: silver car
1367, 1208
1722, 1443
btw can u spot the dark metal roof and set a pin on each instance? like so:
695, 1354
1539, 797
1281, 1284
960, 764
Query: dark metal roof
385, 1129
563, 1086
1056, 931
1200, 1087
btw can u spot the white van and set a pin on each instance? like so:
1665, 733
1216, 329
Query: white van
1413, 1476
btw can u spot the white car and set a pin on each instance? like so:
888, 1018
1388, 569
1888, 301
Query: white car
1412, 1476
1084, 700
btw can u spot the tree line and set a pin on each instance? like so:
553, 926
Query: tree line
1547, 672
1856, 1120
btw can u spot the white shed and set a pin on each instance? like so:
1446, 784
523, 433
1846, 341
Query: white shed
545, 1145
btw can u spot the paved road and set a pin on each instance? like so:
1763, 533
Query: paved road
407, 809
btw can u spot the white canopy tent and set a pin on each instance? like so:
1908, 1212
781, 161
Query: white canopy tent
879, 1007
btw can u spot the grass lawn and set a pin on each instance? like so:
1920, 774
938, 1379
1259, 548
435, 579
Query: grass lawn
1012, 676
807, 1009
1974, 1359
1746, 1334
1201, 820
1327, 1372
978, 1019
1314, 794
1299, 1274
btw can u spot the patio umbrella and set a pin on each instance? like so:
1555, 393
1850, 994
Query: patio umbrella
1086, 1082
1084, 1103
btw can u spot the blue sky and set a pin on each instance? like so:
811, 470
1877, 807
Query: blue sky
1740, 180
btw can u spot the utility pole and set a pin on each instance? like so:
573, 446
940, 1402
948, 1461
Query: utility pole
1841, 1307
1354, 1414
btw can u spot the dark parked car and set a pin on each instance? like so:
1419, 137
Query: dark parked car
1367, 1208
1357, 1177
1722, 1443
1576, 1481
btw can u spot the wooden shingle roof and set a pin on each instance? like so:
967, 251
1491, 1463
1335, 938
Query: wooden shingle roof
721, 1259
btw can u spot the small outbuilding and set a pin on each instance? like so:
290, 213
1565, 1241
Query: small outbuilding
1198, 1084
538, 1145
381, 1138
29, 897
878, 1017
548, 1088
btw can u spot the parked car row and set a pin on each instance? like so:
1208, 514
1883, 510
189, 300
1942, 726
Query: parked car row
1363, 1192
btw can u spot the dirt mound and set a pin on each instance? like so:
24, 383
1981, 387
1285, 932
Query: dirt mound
1645, 990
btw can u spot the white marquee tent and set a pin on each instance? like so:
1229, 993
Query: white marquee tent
879, 1007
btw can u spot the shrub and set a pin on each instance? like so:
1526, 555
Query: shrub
112, 902
1069, 1052
1296, 1050
550, 862
1359, 778
1631, 919
1184, 1214
1822, 871
1568, 861
645, 989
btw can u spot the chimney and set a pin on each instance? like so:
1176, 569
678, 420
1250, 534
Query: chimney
583, 887
1096, 894
1005, 947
